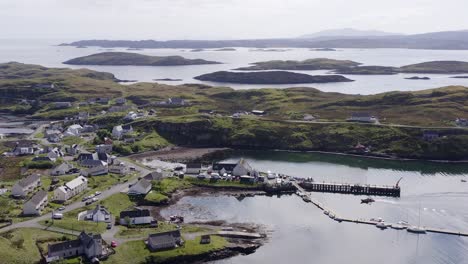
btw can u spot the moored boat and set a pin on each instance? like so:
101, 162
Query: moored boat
416, 229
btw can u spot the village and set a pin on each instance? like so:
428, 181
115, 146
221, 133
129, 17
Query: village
74, 186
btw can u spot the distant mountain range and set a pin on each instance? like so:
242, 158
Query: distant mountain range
348, 33
446, 40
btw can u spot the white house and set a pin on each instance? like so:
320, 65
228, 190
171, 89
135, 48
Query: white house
120, 131
26, 185
119, 168
141, 187
242, 168
73, 131
70, 189
98, 214
363, 117
36, 204
96, 171
193, 168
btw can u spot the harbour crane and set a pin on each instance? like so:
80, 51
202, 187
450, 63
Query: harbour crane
398, 182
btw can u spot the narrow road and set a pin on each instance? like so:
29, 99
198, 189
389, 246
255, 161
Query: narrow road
78, 204
364, 124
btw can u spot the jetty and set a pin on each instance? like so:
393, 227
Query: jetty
357, 189
333, 215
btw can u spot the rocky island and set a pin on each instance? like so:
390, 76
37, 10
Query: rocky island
269, 77
418, 78
437, 67
352, 67
310, 64
135, 59
368, 70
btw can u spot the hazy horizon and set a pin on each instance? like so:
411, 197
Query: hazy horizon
220, 19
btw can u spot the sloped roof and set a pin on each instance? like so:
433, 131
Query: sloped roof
135, 213
29, 180
64, 246
76, 182
38, 197
155, 175
164, 237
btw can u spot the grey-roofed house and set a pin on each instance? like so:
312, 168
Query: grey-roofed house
141, 187
154, 175
164, 240
136, 217
23, 148
87, 245
36, 204
86, 159
61, 169
103, 148
26, 185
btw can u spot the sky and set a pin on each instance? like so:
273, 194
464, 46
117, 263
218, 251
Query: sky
221, 19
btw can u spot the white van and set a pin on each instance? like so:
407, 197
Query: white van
57, 216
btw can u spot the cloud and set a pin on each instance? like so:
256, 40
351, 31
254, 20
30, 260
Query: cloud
221, 19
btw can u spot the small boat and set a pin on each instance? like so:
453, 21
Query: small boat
382, 225
326, 212
416, 229
398, 227
332, 216
367, 200
306, 199
463, 180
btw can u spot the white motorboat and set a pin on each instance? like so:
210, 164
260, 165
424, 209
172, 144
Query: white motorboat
416, 229
382, 225
398, 226
326, 212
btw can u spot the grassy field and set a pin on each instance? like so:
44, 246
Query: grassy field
170, 185
429, 107
18, 246
136, 232
10, 169
156, 197
137, 252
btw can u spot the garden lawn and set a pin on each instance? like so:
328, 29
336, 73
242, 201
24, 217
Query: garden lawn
18, 246
137, 252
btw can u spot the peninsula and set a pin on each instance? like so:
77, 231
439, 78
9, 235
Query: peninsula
269, 77
135, 59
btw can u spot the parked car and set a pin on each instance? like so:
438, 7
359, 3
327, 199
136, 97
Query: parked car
94, 199
57, 216
61, 208
109, 226
84, 199
97, 193
89, 202
113, 244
